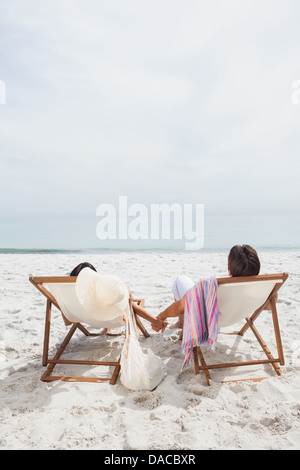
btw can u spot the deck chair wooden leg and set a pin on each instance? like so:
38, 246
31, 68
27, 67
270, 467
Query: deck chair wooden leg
277, 331
83, 329
116, 373
59, 352
138, 312
141, 327
247, 325
47, 332
198, 353
196, 363
264, 347
203, 363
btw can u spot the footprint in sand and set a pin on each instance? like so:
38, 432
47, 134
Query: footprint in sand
148, 400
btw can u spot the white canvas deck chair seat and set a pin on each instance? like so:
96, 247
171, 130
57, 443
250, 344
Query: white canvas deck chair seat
61, 292
242, 298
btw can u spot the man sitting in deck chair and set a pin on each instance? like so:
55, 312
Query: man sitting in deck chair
243, 260
241, 296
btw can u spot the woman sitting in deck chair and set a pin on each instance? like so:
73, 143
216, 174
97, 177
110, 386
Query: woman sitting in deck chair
137, 304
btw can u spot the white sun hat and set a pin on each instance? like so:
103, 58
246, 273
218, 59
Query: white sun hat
104, 297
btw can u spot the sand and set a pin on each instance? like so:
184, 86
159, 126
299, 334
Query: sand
183, 412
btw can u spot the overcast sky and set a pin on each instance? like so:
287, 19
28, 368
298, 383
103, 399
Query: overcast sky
162, 101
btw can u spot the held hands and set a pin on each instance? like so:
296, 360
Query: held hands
160, 324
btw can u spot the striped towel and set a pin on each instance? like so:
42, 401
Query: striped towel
201, 317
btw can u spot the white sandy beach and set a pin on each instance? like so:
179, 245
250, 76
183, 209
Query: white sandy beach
183, 412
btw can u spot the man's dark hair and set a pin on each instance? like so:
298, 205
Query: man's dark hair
243, 261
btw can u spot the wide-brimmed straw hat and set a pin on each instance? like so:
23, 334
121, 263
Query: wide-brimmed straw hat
102, 296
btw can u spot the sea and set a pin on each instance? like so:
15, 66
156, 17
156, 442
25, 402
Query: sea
79, 234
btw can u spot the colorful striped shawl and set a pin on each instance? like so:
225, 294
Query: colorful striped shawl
201, 317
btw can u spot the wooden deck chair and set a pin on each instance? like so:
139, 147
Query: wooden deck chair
61, 292
246, 298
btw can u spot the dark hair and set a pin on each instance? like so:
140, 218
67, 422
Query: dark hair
80, 266
243, 261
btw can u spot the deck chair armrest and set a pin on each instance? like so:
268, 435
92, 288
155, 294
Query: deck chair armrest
38, 283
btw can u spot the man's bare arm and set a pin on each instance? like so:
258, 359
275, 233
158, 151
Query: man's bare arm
174, 310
